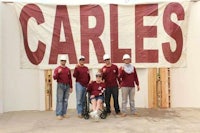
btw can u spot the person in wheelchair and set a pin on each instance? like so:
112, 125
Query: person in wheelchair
96, 90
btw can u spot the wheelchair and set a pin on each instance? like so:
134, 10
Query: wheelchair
86, 108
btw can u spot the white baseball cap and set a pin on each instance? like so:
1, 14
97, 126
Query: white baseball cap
63, 57
106, 56
98, 74
126, 56
81, 57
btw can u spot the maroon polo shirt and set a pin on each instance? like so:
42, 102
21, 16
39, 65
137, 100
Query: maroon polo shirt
110, 75
95, 88
128, 80
64, 76
82, 75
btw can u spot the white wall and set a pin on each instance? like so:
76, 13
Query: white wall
20, 86
23, 89
185, 82
1, 87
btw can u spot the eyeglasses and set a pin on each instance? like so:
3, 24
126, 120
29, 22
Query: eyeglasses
106, 59
62, 60
98, 76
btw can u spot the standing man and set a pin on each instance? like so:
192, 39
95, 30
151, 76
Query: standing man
64, 87
128, 79
82, 75
110, 76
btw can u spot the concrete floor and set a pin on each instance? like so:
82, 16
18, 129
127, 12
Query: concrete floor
178, 120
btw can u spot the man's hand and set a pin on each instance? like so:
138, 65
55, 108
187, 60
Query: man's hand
92, 96
59, 70
138, 88
121, 69
70, 90
104, 70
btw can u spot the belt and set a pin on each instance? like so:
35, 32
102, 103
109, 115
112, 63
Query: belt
64, 83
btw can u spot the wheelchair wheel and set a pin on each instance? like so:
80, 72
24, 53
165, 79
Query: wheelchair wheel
103, 115
86, 116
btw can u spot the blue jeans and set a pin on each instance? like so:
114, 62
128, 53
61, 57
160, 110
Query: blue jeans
98, 98
80, 97
62, 99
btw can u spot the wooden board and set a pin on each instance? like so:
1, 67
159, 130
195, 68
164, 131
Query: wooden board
165, 87
48, 89
152, 103
158, 88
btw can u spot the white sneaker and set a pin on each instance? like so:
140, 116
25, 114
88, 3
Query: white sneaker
92, 114
96, 112
99, 112
96, 117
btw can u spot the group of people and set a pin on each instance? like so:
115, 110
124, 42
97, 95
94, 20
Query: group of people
109, 79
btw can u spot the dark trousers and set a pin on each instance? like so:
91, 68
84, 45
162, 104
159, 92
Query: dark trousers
114, 91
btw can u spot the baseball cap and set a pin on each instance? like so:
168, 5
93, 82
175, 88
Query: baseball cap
81, 57
63, 57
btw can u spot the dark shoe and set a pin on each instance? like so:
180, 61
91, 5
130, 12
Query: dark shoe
118, 113
108, 112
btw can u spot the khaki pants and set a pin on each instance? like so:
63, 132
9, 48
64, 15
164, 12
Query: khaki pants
128, 91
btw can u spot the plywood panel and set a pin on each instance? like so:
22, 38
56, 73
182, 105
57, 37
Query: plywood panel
48, 89
165, 87
152, 102
158, 88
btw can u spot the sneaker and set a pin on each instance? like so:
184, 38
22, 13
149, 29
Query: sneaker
135, 114
99, 112
59, 117
108, 112
123, 115
66, 116
92, 114
118, 113
80, 116
96, 112
96, 117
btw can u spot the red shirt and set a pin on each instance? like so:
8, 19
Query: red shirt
128, 80
110, 75
96, 89
81, 73
64, 76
